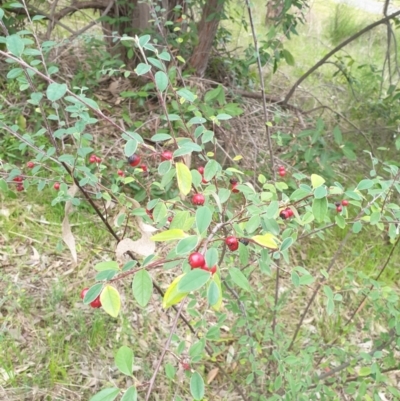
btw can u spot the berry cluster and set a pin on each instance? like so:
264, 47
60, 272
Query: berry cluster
282, 171
94, 304
201, 171
94, 159
20, 183
234, 183
286, 213
339, 205
197, 261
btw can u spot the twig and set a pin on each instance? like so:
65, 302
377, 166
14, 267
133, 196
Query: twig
260, 74
165, 349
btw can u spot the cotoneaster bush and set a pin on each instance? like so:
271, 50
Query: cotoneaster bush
233, 245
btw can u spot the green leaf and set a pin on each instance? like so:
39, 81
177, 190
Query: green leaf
124, 360
15, 45
142, 287
182, 220
316, 180
365, 184
110, 300
197, 386
211, 169
172, 296
187, 244
142, 69
272, 210
320, 209
184, 178
161, 79
286, 243
375, 218
213, 293
164, 167
3, 185
357, 227
130, 147
211, 257
320, 192
193, 280
187, 94
223, 117
203, 218
348, 152
340, 221
56, 91
130, 394
169, 235
288, 57
108, 394
161, 137
93, 292
337, 135
160, 212
239, 278
109, 265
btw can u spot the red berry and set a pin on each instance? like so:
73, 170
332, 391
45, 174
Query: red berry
234, 189
56, 186
134, 160
213, 269
281, 168
149, 213
19, 187
143, 167
284, 214
204, 181
337, 204
96, 303
30, 164
282, 173
196, 259
339, 208
289, 212
121, 173
18, 178
170, 218
185, 366
233, 181
200, 170
83, 292
92, 159
98, 160
345, 202
232, 243
166, 155
198, 199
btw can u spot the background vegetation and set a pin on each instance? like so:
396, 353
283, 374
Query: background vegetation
306, 308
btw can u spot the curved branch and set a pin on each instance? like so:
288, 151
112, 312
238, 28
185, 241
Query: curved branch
335, 50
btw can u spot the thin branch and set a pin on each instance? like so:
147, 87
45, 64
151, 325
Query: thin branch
260, 74
335, 50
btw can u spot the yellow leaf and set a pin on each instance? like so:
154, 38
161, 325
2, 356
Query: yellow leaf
110, 300
267, 240
238, 157
210, 154
316, 180
217, 281
172, 296
184, 177
169, 235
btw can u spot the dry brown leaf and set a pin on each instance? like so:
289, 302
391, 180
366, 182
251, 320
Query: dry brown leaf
67, 236
144, 246
212, 374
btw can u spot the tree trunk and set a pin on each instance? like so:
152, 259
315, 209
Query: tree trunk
207, 29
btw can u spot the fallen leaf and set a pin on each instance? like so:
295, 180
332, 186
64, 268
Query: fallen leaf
212, 374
